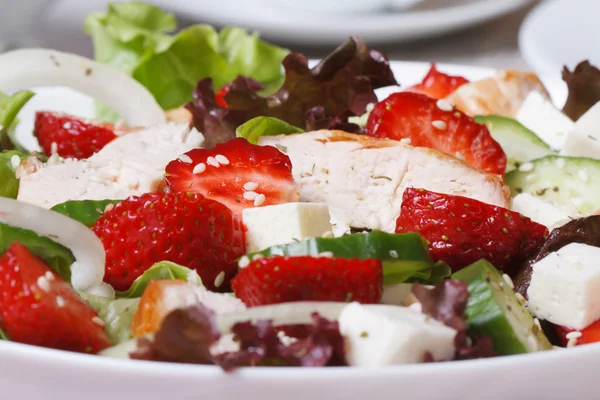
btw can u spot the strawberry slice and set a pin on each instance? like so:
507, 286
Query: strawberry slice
184, 228
236, 173
74, 137
284, 279
436, 124
438, 85
461, 231
38, 307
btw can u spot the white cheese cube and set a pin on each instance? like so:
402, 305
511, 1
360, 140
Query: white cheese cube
584, 139
565, 286
539, 210
284, 223
549, 123
387, 335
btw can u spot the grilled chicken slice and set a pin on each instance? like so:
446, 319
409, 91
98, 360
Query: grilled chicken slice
362, 178
500, 95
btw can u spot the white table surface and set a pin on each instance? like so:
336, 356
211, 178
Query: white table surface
493, 44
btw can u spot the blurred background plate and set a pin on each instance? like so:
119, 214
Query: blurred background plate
304, 26
561, 32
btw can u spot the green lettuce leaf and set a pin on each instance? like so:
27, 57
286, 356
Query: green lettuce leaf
58, 257
117, 315
9, 108
9, 184
3, 335
134, 38
265, 126
161, 270
85, 211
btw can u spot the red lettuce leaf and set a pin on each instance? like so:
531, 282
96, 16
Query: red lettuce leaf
187, 335
447, 302
340, 86
584, 89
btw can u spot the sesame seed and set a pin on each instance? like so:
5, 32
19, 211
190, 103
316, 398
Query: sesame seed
53, 148
520, 297
250, 185
572, 343
199, 168
526, 167
444, 105
109, 207
370, 107
222, 159
459, 156
185, 159
213, 162
219, 279
67, 125
573, 335
250, 195
257, 257
530, 177
50, 276
576, 201
438, 124
60, 301
560, 163
15, 161
328, 254
244, 262
537, 323
327, 235
508, 281
43, 283
405, 140
97, 320
259, 200
393, 253
583, 176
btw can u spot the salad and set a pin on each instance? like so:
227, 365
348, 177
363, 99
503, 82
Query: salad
230, 205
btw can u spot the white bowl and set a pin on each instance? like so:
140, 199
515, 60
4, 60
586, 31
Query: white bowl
342, 7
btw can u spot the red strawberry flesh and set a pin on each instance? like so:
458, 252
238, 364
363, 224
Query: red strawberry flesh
438, 85
72, 136
38, 307
236, 173
429, 123
285, 279
461, 231
183, 228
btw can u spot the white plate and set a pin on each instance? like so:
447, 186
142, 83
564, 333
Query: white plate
561, 32
432, 17
28, 372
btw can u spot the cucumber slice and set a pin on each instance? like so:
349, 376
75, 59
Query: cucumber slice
405, 256
519, 143
568, 183
493, 310
85, 211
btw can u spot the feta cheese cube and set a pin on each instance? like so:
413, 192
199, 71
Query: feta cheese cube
565, 286
584, 139
387, 335
284, 223
539, 210
549, 123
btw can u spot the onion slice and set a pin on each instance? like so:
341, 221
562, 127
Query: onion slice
30, 68
88, 269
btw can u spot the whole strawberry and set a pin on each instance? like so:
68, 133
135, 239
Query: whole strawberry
285, 279
236, 173
69, 136
185, 228
38, 307
461, 231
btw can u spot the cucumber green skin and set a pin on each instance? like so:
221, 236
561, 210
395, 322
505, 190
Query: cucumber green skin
413, 263
55, 255
117, 315
9, 184
489, 302
85, 211
558, 186
519, 143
